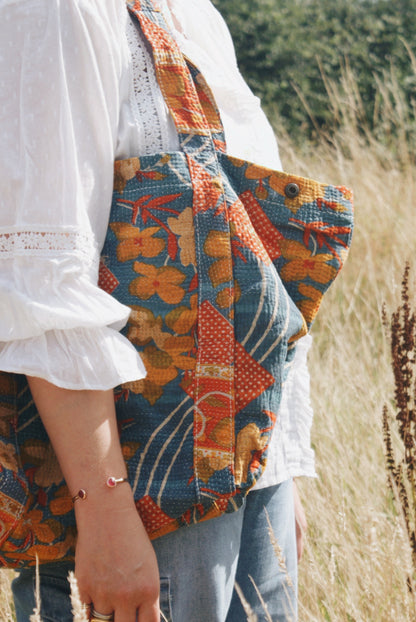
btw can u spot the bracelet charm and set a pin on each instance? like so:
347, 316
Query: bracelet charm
111, 482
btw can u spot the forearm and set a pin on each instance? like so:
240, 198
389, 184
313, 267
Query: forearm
83, 430
115, 564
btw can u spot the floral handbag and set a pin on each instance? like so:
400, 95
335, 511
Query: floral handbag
224, 264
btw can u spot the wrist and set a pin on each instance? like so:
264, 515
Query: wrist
99, 499
111, 482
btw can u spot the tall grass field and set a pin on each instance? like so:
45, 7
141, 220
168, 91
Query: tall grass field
357, 561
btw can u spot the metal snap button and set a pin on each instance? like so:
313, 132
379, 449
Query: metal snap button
292, 190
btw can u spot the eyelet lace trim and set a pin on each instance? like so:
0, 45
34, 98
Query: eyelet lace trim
146, 100
48, 242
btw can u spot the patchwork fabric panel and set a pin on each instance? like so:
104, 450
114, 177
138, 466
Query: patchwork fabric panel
223, 264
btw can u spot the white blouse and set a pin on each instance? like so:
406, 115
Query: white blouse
77, 91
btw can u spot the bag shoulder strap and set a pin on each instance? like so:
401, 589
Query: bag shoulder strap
185, 91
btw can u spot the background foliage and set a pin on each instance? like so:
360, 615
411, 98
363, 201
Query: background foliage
287, 47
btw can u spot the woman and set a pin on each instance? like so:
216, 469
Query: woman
79, 91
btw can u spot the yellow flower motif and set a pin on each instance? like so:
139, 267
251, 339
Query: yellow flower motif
183, 226
229, 295
217, 244
309, 190
310, 304
248, 439
4, 426
42, 455
61, 502
302, 263
46, 531
134, 242
253, 171
123, 171
8, 456
162, 366
149, 390
208, 461
176, 347
159, 366
182, 319
145, 327
164, 281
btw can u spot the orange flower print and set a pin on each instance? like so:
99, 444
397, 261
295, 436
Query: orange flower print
62, 501
209, 461
175, 80
164, 281
249, 438
348, 194
183, 226
145, 327
134, 242
4, 427
253, 171
46, 531
310, 304
159, 366
182, 319
308, 192
8, 456
217, 244
162, 366
123, 171
302, 264
145, 387
177, 348
181, 101
261, 174
41, 454
220, 271
229, 295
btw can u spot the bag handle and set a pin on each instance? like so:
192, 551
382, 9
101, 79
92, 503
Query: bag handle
185, 91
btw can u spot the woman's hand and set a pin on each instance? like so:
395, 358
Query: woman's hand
301, 522
115, 563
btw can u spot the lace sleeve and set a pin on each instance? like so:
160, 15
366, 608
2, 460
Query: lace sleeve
41, 242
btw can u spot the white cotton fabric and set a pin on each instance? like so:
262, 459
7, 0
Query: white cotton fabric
290, 453
77, 91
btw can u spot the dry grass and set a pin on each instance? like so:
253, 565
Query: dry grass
357, 555
6, 604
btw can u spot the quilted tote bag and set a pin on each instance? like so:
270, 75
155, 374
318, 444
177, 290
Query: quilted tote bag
224, 265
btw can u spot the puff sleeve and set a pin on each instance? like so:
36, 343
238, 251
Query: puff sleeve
61, 64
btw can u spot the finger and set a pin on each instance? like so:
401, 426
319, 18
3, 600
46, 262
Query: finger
99, 614
85, 599
302, 522
299, 542
300, 515
99, 602
129, 613
149, 613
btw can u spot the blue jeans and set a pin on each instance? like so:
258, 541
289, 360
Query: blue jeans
199, 566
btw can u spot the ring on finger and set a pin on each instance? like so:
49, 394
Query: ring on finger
96, 616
